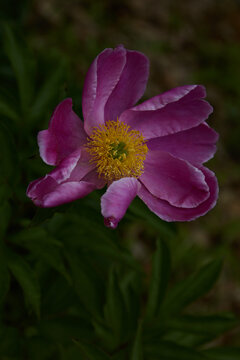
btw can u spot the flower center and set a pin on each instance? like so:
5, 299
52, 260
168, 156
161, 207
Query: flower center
117, 151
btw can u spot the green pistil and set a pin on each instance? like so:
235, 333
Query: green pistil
118, 150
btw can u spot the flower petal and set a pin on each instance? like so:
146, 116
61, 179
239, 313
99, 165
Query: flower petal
115, 81
61, 194
174, 180
130, 87
117, 198
176, 110
168, 212
38, 188
64, 135
196, 145
64, 170
72, 179
93, 178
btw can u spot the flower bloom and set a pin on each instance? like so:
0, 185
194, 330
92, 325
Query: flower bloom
154, 150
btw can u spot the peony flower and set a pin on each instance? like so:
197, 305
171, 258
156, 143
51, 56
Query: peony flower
154, 150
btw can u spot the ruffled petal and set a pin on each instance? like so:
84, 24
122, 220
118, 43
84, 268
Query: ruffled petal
64, 170
93, 178
115, 81
60, 194
168, 212
196, 145
174, 180
176, 110
38, 188
72, 179
64, 135
131, 85
117, 198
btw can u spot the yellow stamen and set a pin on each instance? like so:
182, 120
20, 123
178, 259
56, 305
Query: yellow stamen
117, 151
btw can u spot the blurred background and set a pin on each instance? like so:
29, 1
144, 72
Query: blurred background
188, 42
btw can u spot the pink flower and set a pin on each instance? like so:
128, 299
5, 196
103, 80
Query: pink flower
154, 150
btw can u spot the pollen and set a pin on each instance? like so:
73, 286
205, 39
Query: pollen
117, 151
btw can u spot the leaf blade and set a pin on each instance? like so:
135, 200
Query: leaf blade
223, 353
27, 280
91, 352
191, 288
159, 279
137, 350
166, 350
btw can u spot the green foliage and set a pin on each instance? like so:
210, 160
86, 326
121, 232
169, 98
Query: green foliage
27, 280
191, 288
20, 65
91, 353
69, 287
159, 280
223, 353
168, 351
4, 279
114, 311
137, 351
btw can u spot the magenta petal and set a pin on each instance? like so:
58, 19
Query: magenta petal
64, 135
102, 77
37, 189
47, 195
174, 180
64, 170
115, 81
168, 212
176, 110
82, 165
93, 178
67, 192
131, 85
72, 179
196, 145
117, 198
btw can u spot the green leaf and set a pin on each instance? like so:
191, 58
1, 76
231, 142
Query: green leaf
64, 329
139, 209
34, 235
122, 354
105, 334
5, 215
48, 90
193, 330
86, 283
137, 351
91, 352
8, 111
185, 339
10, 342
7, 155
92, 236
223, 353
165, 350
191, 288
159, 279
4, 278
131, 285
27, 280
52, 304
41, 215
51, 255
40, 348
43, 246
203, 325
19, 64
114, 309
